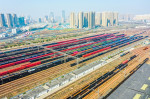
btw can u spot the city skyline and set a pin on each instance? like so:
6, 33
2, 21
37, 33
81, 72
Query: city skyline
92, 19
38, 8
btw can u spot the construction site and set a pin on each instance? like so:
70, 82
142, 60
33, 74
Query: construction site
92, 66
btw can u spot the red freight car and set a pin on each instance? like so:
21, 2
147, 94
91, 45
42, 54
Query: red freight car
7, 65
25, 60
89, 44
77, 41
62, 43
33, 64
3, 73
20, 68
12, 70
124, 62
86, 55
67, 41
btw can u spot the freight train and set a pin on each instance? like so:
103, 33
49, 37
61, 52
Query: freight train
124, 54
38, 59
112, 48
99, 81
5, 64
137, 67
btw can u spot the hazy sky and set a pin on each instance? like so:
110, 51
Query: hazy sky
40, 8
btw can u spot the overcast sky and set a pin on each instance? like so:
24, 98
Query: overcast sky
40, 8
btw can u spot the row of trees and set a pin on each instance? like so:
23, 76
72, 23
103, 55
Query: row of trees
42, 40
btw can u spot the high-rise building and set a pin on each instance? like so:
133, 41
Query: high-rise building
21, 21
91, 20
98, 19
80, 20
125, 17
28, 20
104, 19
85, 20
76, 21
72, 20
62, 20
59, 19
46, 18
52, 20
63, 16
109, 19
51, 17
2, 21
15, 20
115, 21
40, 20
9, 20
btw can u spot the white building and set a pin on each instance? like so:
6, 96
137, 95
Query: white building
80, 18
72, 20
142, 17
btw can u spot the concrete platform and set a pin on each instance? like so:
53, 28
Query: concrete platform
133, 85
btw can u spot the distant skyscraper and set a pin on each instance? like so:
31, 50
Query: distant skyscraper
62, 20
2, 21
126, 17
109, 19
51, 15
40, 20
98, 19
104, 19
63, 16
9, 20
72, 20
76, 21
115, 21
80, 20
26, 21
52, 19
91, 20
29, 19
46, 18
58, 19
15, 21
85, 20
21, 21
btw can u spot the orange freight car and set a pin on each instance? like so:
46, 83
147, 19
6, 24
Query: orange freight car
145, 48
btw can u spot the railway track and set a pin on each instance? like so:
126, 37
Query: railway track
31, 79
25, 81
62, 93
82, 93
105, 88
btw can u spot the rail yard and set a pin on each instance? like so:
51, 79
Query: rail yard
105, 84
25, 68
111, 83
